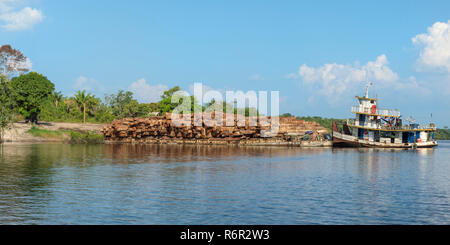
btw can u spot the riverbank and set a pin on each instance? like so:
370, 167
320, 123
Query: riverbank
53, 132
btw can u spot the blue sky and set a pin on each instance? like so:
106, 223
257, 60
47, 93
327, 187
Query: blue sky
317, 54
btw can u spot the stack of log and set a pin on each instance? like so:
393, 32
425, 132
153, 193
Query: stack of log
294, 126
207, 126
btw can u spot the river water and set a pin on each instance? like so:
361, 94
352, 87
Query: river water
174, 184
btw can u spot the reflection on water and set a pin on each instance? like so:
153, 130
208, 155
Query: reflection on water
176, 184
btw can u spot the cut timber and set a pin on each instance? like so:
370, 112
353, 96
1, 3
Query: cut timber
229, 128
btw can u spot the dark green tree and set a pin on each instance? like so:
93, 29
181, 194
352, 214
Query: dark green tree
6, 103
30, 91
169, 93
153, 107
175, 98
286, 115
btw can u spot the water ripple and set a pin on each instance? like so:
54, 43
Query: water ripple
151, 184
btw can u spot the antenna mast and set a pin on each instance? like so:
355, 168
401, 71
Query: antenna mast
367, 88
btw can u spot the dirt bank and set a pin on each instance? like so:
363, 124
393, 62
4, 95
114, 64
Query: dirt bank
18, 132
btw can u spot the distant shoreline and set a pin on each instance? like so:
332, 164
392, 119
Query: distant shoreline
62, 132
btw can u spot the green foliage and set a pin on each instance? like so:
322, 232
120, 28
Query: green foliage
86, 137
102, 113
30, 91
217, 106
85, 102
68, 110
39, 132
228, 107
174, 98
169, 93
50, 112
153, 107
71, 136
247, 111
324, 122
72, 109
7, 103
286, 115
123, 105
166, 104
442, 134
56, 97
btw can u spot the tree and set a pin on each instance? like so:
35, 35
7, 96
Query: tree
220, 106
70, 104
118, 102
286, 115
6, 103
153, 107
12, 61
30, 91
57, 97
82, 99
167, 103
103, 113
124, 105
225, 107
169, 93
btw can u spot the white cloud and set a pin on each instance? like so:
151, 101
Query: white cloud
15, 19
256, 77
145, 92
334, 79
88, 84
291, 76
411, 84
81, 83
434, 56
7, 5
435, 46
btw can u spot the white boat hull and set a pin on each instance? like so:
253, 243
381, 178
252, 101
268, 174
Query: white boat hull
343, 140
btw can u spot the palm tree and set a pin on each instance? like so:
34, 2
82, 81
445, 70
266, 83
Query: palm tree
81, 98
58, 96
69, 103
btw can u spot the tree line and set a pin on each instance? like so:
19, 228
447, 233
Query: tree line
31, 96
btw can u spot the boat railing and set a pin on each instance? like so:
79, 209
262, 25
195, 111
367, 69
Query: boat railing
379, 111
409, 127
352, 122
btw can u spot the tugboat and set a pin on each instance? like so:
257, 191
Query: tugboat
375, 127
